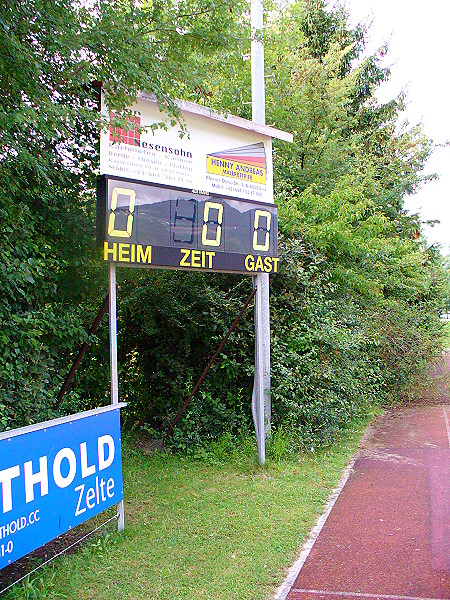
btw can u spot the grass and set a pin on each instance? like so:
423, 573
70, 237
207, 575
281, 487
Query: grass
209, 528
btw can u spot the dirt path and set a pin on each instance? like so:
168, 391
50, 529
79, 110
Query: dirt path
387, 536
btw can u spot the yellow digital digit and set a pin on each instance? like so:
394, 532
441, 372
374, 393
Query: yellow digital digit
206, 220
121, 233
266, 215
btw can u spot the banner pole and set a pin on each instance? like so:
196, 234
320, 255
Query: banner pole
113, 364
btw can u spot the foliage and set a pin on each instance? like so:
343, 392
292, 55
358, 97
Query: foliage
50, 53
445, 308
354, 311
355, 308
325, 374
446, 335
173, 322
39, 587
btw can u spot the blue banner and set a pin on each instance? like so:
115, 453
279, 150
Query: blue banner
56, 475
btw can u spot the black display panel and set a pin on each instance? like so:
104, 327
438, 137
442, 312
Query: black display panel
151, 225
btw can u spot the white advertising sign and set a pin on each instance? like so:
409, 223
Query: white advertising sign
220, 155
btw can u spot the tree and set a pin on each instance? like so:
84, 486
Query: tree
51, 53
446, 299
355, 309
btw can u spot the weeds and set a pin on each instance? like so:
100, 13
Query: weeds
39, 587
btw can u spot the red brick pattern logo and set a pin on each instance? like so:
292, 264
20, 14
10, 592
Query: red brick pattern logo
126, 136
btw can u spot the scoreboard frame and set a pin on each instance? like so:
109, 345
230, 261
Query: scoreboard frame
151, 225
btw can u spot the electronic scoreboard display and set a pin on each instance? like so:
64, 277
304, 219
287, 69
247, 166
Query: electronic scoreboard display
152, 225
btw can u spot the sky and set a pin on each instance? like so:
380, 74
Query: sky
419, 54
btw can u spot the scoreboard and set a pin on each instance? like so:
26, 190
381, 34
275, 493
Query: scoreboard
152, 225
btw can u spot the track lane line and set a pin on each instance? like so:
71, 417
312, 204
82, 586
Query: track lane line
361, 595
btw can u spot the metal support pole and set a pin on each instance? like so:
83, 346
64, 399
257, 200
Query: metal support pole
261, 388
113, 364
258, 385
81, 353
257, 49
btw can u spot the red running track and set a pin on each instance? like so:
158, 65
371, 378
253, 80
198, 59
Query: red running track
387, 536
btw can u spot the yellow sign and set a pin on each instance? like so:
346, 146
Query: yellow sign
247, 163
